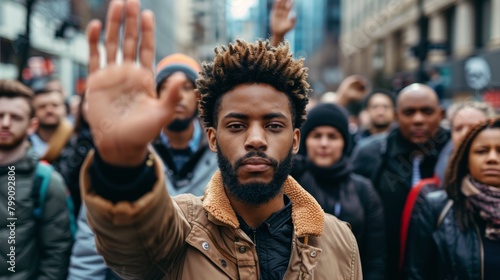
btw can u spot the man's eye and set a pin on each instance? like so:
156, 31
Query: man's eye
235, 126
275, 126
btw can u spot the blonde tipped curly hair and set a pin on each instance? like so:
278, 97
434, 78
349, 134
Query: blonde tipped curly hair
251, 63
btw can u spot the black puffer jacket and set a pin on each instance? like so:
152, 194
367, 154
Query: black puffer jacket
387, 162
437, 247
352, 199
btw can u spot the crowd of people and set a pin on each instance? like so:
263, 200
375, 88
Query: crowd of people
226, 171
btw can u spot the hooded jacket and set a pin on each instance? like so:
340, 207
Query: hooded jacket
190, 237
43, 253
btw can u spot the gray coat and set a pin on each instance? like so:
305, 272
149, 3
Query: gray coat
45, 256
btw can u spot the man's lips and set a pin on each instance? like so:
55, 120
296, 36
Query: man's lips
5, 134
418, 133
255, 164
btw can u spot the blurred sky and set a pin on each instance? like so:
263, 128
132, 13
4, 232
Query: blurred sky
239, 9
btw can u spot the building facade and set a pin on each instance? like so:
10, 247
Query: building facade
379, 39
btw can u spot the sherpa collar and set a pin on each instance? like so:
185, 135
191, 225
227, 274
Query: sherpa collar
307, 215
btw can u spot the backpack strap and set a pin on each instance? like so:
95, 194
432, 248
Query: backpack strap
43, 172
443, 213
411, 199
58, 141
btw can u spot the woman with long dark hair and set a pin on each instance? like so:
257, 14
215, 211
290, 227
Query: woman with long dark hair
455, 233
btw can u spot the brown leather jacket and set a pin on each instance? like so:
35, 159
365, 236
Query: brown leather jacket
188, 237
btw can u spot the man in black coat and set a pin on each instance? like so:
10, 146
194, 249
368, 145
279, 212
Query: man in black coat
397, 161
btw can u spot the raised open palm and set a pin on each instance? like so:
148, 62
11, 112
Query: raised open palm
124, 111
281, 22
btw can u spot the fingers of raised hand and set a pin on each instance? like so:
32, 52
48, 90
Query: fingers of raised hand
171, 96
131, 33
113, 23
279, 4
282, 5
147, 48
93, 35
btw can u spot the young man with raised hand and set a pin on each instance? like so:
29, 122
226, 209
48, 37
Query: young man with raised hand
254, 221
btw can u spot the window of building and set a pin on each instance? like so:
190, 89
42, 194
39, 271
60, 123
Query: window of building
482, 9
450, 29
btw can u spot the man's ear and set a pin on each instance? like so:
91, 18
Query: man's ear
212, 139
443, 113
296, 141
33, 126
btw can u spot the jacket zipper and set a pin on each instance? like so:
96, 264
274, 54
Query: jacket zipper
290, 260
257, 256
481, 250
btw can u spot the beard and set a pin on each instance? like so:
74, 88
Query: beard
179, 125
49, 126
6, 147
255, 193
381, 125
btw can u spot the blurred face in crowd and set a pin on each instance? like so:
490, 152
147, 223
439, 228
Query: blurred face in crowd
484, 157
15, 122
324, 145
56, 85
49, 109
185, 111
255, 140
418, 113
381, 111
463, 120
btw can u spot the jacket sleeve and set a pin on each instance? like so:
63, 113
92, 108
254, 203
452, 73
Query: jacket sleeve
421, 254
55, 232
373, 246
139, 239
85, 262
365, 159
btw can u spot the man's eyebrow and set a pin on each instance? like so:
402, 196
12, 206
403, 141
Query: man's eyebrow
274, 116
245, 117
236, 116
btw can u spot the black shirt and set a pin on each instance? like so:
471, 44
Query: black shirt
273, 241
491, 249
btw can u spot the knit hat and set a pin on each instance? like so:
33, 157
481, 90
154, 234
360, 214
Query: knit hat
330, 115
174, 63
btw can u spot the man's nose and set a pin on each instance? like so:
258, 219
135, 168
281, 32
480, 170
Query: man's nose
256, 139
5, 120
418, 118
